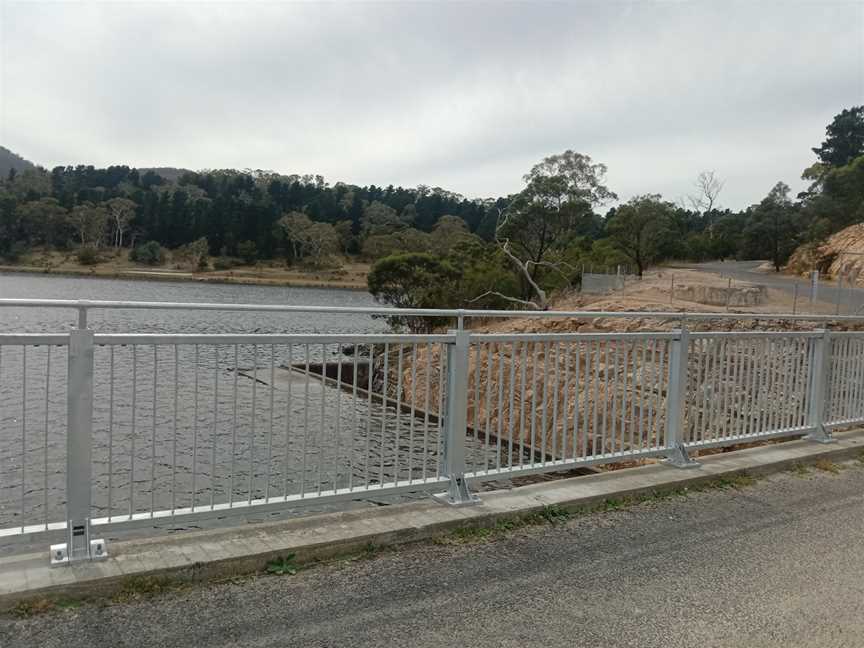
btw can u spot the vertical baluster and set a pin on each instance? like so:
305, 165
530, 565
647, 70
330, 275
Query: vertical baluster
338, 395
624, 384
565, 406
500, 411
174, 436
383, 448
132, 442
605, 429
215, 431
475, 406
195, 432
533, 411
398, 433
45, 433
305, 441
252, 423
595, 430
444, 370
153, 437
510, 417
426, 406
522, 405
270, 433
411, 457
110, 429
545, 383
662, 378
577, 389
652, 394
322, 432
23, 434
369, 416
354, 406
289, 415
486, 429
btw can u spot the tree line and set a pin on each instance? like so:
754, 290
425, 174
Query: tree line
453, 251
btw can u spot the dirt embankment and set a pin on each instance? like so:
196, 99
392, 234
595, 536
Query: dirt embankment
842, 255
614, 396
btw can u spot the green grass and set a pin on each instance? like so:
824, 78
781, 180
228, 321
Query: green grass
283, 566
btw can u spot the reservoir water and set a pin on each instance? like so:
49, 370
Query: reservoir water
28, 286
175, 427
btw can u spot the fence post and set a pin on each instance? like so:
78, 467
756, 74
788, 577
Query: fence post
456, 423
675, 399
814, 285
818, 392
79, 440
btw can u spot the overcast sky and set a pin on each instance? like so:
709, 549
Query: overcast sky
466, 96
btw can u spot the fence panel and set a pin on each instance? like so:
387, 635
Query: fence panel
744, 386
185, 424
547, 401
194, 423
845, 402
32, 433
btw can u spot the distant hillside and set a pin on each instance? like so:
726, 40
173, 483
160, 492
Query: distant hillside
169, 173
9, 160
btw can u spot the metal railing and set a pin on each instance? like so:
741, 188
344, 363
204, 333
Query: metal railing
104, 430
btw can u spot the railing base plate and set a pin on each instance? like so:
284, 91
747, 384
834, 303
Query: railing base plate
678, 458
458, 494
98, 550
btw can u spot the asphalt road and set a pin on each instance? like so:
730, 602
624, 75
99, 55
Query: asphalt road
851, 299
778, 563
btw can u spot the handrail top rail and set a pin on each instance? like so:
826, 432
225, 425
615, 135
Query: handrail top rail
459, 313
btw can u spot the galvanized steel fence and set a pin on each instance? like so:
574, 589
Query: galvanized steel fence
114, 429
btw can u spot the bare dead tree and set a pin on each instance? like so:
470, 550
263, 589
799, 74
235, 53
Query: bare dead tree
708, 187
524, 268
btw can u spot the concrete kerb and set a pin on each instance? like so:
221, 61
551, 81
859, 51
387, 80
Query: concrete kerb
219, 554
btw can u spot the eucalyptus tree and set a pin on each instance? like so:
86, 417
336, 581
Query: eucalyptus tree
556, 204
639, 228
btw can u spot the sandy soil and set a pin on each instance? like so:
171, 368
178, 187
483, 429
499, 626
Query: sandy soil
350, 275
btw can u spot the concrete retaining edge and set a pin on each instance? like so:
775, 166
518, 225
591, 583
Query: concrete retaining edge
218, 554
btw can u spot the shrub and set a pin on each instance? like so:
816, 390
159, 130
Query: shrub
224, 263
88, 255
412, 281
149, 253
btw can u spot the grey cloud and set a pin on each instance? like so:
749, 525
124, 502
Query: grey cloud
465, 96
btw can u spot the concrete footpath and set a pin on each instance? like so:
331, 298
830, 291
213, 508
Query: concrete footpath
219, 553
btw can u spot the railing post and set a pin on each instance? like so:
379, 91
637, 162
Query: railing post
678, 361
456, 423
818, 389
79, 439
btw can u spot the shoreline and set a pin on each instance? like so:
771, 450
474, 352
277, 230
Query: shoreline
183, 277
